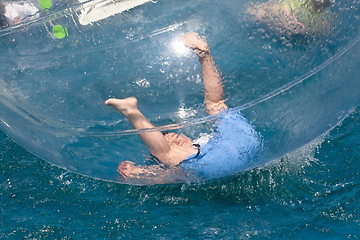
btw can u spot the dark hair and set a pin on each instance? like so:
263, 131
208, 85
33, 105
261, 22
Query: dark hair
320, 4
3, 22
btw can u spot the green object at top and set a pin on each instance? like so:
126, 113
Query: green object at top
303, 11
59, 31
45, 4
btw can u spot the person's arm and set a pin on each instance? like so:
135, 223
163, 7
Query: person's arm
214, 92
213, 87
155, 174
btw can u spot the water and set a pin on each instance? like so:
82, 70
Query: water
313, 194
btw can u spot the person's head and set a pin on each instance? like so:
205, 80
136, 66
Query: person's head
181, 147
176, 139
319, 5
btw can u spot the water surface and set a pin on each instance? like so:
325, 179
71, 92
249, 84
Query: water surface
312, 194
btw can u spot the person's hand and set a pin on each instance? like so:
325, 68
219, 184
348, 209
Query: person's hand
197, 44
127, 170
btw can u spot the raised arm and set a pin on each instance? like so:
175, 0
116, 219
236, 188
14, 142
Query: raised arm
213, 87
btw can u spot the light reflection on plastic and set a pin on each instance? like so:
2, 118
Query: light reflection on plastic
179, 47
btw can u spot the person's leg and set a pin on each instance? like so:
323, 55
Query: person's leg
211, 77
155, 141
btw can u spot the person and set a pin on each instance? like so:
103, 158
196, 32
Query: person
292, 17
171, 149
13, 13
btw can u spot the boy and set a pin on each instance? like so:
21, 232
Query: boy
173, 150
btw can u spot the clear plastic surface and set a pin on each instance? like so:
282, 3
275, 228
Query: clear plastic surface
56, 73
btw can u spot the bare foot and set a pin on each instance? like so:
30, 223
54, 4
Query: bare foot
197, 44
123, 105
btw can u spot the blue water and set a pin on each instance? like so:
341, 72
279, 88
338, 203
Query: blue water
312, 194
